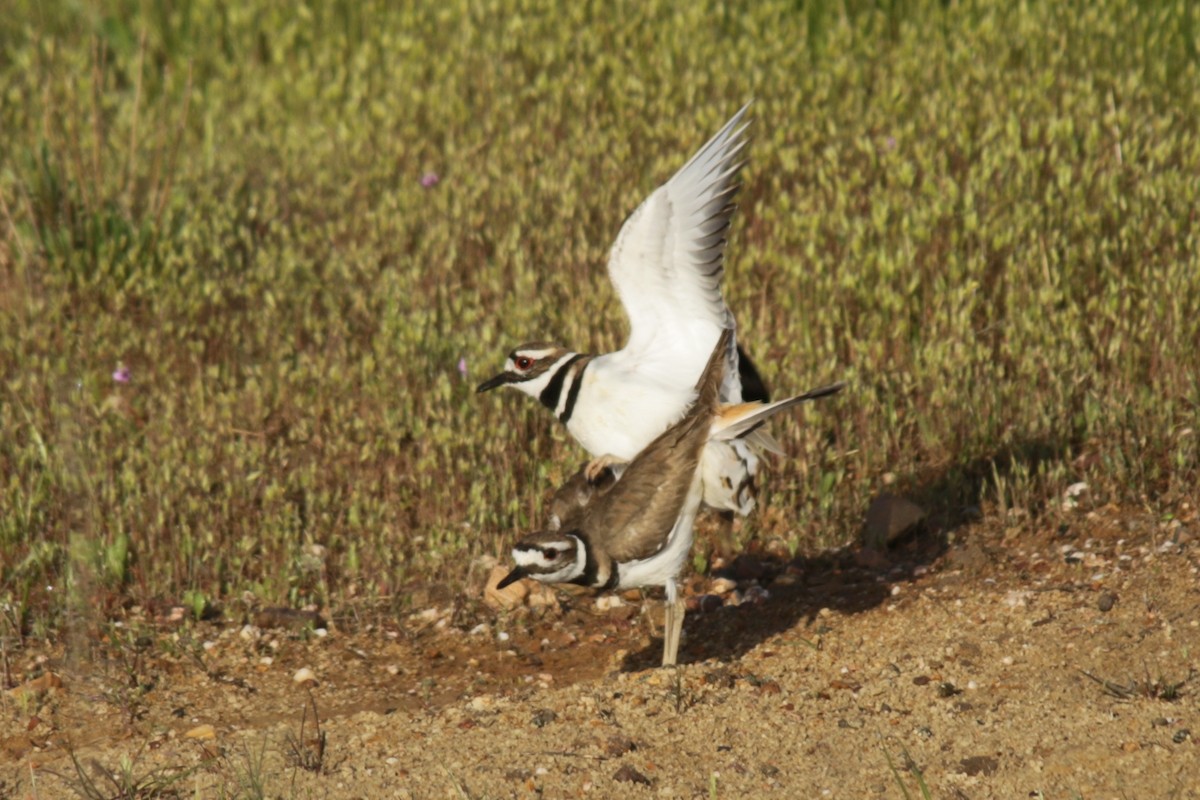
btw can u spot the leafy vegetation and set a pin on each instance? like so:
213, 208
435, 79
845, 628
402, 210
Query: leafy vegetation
254, 258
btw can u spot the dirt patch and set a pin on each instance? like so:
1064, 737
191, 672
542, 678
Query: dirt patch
1057, 663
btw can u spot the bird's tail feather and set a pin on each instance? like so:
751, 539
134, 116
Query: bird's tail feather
743, 420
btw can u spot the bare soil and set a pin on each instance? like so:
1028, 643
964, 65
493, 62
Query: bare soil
995, 660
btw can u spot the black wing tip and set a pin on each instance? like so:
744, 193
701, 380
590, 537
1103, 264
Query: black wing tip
824, 391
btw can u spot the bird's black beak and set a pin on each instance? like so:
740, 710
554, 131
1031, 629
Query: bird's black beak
492, 383
511, 577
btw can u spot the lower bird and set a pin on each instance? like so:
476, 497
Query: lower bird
637, 531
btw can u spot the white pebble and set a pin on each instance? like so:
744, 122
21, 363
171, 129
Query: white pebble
502, 636
608, 601
303, 676
722, 586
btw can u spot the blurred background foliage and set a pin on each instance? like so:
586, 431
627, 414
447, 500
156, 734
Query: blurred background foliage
292, 223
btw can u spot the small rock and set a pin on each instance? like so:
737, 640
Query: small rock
607, 602
888, 518
304, 677
618, 746
203, 733
979, 765
1017, 598
288, 618
426, 616
722, 586
786, 579
704, 603
755, 594
721, 677
630, 775
1106, 602
543, 717
508, 598
969, 556
1181, 736
541, 596
1071, 495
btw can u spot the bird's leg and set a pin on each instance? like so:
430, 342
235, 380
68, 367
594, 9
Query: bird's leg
668, 629
594, 469
672, 625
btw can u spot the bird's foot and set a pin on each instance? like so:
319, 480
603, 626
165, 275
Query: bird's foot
597, 470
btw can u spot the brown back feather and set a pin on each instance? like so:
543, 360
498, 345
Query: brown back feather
632, 519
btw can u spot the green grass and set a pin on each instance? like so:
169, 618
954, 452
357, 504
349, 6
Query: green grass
983, 216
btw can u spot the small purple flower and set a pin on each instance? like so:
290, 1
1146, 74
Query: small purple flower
462, 366
430, 180
122, 374
889, 143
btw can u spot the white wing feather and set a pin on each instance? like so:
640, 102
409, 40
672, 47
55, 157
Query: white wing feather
668, 262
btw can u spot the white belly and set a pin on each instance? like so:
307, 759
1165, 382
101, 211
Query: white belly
619, 412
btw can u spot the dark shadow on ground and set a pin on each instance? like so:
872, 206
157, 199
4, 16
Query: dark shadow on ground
850, 580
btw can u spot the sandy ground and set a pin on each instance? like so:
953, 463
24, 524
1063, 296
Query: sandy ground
994, 661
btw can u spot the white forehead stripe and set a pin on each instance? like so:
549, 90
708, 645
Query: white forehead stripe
536, 355
528, 558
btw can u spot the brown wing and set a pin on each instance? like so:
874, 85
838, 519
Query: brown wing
632, 519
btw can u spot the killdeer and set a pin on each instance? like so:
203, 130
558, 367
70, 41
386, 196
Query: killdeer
637, 530
666, 266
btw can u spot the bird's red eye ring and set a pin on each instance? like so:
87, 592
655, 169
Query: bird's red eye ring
550, 553
523, 362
